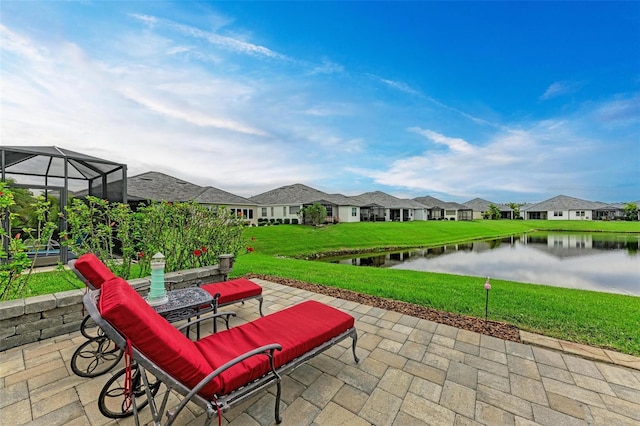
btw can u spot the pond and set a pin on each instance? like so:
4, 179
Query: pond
588, 261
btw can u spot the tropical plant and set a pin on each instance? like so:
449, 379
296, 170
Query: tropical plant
187, 234
315, 213
631, 211
14, 259
516, 210
493, 212
103, 228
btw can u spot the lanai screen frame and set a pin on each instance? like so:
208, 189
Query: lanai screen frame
84, 167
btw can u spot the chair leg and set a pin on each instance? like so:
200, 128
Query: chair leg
278, 394
353, 345
260, 305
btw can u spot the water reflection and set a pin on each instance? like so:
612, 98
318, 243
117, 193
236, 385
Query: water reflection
601, 262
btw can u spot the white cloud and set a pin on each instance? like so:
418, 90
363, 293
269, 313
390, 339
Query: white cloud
516, 161
455, 144
327, 67
21, 46
219, 109
620, 111
189, 115
560, 88
398, 85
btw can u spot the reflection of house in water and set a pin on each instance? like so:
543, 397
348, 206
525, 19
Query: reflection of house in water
397, 258
559, 245
571, 245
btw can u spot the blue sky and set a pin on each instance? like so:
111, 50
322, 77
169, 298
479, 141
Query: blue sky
507, 101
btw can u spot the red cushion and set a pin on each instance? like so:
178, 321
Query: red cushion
152, 335
298, 329
233, 290
93, 270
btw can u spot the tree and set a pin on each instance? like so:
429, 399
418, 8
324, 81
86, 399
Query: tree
493, 212
631, 211
516, 210
315, 213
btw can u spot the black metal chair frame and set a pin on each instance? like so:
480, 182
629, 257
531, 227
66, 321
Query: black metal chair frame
219, 403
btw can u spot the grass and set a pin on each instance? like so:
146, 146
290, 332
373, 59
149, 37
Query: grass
594, 318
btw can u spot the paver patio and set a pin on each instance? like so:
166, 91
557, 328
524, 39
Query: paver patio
411, 372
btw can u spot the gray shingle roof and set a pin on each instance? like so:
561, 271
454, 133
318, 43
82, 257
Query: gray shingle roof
290, 194
563, 202
385, 200
298, 194
481, 205
217, 196
432, 202
159, 186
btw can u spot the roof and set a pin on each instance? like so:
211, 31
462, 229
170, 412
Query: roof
563, 202
481, 205
383, 199
432, 202
50, 160
617, 206
217, 196
158, 186
298, 194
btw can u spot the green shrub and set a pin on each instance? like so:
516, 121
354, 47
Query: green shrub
188, 234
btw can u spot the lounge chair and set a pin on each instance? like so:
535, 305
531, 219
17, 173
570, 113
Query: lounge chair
98, 355
93, 272
221, 369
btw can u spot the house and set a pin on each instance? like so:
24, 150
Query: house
442, 210
480, 207
562, 207
380, 206
238, 205
286, 202
156, 186
614, 211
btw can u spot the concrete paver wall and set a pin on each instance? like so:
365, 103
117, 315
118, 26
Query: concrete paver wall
36, 318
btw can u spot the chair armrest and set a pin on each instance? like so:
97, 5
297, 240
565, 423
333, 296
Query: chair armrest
267, 350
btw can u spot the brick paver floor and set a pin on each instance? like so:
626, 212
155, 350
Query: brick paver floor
411, 372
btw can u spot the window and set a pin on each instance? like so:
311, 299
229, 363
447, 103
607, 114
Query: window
264, 212
294, 209
450, 213
557, 214
580, 213
246, 213
354, 211
272, 212
284, 211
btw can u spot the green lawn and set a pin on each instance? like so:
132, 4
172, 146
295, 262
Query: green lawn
599, 319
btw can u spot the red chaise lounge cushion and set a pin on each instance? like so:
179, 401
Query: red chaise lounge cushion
297, 329
92, 268
233, 290
153, 335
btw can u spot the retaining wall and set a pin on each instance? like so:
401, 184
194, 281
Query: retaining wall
36, 318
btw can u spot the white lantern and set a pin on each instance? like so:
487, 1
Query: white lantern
157, 294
